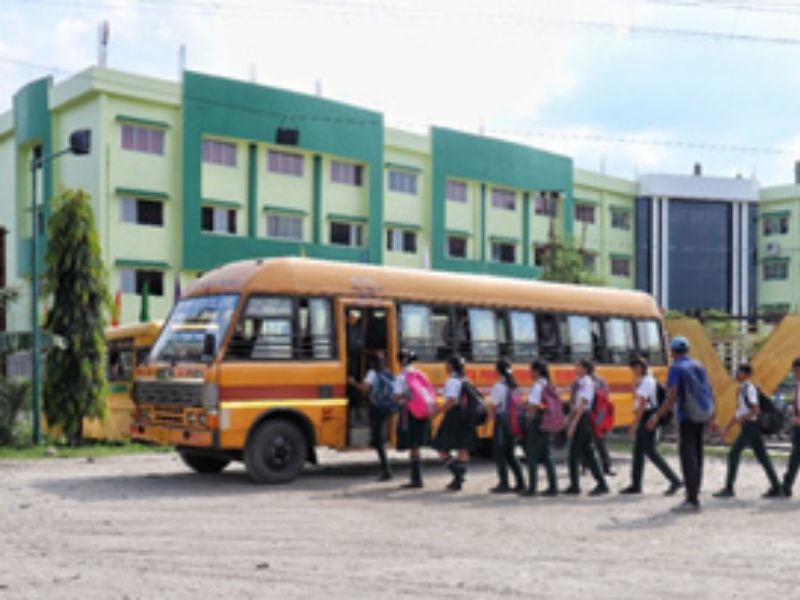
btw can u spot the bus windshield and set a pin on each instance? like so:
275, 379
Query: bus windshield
183, 336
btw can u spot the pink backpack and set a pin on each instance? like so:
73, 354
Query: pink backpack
422, 402
553, 415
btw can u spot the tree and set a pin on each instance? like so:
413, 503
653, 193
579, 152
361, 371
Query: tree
564, 262
75, 384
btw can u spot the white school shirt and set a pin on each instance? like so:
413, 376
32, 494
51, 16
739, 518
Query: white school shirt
647, 388
535, 397
747, 399
499, 396
452, 389
370, 377
584, 395
400, 387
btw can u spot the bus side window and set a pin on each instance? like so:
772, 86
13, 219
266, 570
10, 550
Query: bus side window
599, 348
141, 355
619, 340
444, 332
650, 341
580, 337
548, 334
415, 330
265, 330
503, 334
120, 360
483, 334
314, 329
524, 345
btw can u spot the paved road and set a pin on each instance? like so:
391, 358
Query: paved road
143, 527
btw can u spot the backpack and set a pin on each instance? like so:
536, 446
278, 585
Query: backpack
473, 402
770, 419
422, 400
516, 414
602, 413
661, 399
698, 402
382, 393
553, 415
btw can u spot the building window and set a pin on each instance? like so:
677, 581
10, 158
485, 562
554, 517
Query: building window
456, 247
620, 267
504, 199
219, 153
456, 191
776, 225
504, 252
540, 253
584, 213
142, 139
399, 240
621, 219
132, 281
589, 261
285, 227
403, 182
218, 220
142, 212
546, 204
776, 270
347, 234
285, 163
346, 173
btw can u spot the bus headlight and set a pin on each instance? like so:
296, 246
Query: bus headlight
210, 396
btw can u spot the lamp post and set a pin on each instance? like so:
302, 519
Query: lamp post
80, 143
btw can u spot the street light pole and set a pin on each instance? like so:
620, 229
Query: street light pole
79, 144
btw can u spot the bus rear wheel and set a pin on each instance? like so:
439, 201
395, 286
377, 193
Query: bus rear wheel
203, 463
275, 453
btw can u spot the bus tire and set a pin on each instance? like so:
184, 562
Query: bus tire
203, 463
275, 452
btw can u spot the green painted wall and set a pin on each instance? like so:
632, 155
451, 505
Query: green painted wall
217, 106
777, 200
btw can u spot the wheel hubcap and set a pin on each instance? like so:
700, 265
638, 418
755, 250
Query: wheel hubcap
279, 453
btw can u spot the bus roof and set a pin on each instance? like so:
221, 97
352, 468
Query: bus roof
133, 330
309, 277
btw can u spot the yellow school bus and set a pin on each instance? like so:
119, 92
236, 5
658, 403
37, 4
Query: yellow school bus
252, 364
127, 347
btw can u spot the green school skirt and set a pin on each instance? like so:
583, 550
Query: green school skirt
412, 433
457, 432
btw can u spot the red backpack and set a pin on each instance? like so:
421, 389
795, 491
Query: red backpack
602, 414
516, 414
553, 420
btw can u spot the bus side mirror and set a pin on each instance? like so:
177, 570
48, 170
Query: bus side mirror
209, 347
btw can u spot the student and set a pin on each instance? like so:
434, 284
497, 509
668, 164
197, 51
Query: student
579, 432
600, 438
501, 399
794, 459
646, 404
749, 436
686, 376
457, 431
376, 385
412, 433
537, 442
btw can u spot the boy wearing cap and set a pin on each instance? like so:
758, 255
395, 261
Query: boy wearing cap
794, 459
685, 374
749, 437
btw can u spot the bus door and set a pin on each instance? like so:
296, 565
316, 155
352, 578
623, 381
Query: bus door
369, 331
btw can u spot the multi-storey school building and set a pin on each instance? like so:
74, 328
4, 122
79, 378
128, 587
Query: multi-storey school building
186, 176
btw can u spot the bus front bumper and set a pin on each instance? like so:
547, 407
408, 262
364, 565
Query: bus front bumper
172, 436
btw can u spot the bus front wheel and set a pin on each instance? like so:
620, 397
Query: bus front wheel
203, 463
275, 453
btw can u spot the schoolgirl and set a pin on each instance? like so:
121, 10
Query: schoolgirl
503, 441
537, 441
412, 433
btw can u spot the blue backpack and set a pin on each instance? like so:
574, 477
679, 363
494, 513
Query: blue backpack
382, 392
698, 401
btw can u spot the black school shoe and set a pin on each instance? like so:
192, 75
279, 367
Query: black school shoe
551, 492
673, 488
529, 493
725, 493
599, 490
500, 489
787, 491
631, 490
572, 491
773, 493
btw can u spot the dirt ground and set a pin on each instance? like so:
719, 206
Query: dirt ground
144, 527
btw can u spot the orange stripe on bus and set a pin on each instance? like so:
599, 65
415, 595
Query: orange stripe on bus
278, 392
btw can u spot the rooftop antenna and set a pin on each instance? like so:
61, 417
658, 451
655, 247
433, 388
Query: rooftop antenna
103, 31
181, 60
253, 73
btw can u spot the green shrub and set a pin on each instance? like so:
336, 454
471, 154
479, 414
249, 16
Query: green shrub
13, 397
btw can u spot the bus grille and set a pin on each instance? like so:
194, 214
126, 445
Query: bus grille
159, 392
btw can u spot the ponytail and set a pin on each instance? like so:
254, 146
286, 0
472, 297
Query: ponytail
503, 367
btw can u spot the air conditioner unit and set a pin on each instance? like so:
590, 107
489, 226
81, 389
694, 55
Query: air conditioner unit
773, 249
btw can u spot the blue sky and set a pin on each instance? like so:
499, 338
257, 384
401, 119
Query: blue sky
626, 84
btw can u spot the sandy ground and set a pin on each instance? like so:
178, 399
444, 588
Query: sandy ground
144, 527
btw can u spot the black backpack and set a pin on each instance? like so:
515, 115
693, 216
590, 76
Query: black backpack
474, 403
661, 398
770, 419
